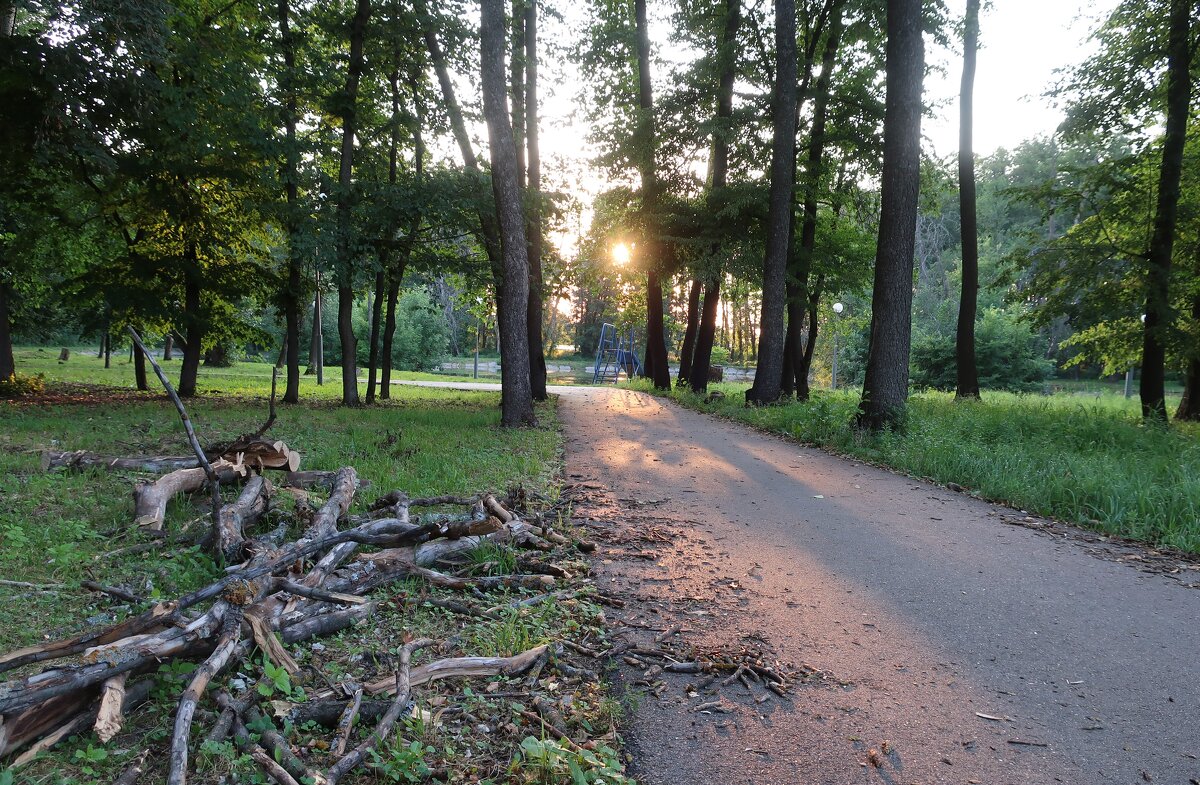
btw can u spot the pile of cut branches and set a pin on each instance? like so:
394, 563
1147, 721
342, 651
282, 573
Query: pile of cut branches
314, 574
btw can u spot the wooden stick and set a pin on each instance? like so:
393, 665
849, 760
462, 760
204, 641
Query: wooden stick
273, 769
403, 689
134, 771
346, 723
213, 480
110, 718
230, 634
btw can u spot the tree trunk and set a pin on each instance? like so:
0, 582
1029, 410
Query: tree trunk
316, 347
139, 370
190, 367
535, 305
8, 24
107, 348
964, 349
727, 57
801, 352
291, 177
376, 317
688, 349
1158, 304
516, 69
8, 366
885, 390
656, 345
389, 333
769, 370
349, 343
1189, 406
516, 401
168, 346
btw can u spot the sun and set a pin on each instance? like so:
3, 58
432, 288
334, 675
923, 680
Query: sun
620, 253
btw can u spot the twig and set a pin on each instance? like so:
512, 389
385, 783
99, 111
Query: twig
346, 723
273, 769
230, 634
112, 591
130, 775
40, 586
213, 481
403, 689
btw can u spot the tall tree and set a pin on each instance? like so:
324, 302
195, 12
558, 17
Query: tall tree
769, 372
1166, 214
345, 240
964, 351
804, 294
533, 321
885, 389
516, 401
656, 346
722, 131
292, 290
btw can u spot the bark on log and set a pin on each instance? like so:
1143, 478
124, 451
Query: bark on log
234, 518
151, 498
81, 460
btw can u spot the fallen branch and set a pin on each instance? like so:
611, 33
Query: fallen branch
213, 479
403, 686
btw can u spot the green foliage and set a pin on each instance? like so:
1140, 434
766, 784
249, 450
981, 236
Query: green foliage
21, 385
550, 763
422, 334
402, 761
1009, 356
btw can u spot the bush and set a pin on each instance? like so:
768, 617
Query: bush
422, 335
1006, 353
20, 385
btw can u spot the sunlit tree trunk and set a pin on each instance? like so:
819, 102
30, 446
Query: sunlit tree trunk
885, 389
536, 303
516, 401
769, 371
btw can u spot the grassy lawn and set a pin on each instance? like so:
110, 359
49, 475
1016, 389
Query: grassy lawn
1085, 459
57, 529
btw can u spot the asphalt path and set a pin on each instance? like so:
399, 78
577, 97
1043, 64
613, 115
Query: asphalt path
953, 646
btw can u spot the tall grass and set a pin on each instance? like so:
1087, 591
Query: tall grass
1083, 459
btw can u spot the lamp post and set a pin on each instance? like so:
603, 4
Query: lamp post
837, 311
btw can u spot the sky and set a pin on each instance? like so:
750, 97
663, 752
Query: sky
1022, 44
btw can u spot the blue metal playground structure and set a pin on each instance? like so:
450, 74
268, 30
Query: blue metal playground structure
615, 354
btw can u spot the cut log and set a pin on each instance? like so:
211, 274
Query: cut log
110, 717
260, 453
151, 498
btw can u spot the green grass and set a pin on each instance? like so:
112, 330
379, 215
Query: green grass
1083, 459
59, 528
55, 528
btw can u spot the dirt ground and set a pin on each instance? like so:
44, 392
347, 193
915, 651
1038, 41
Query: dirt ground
932, 638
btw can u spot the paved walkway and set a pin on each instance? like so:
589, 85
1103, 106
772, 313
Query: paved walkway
959, 648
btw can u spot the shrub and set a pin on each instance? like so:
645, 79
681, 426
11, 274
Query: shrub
20, 385
1006, 353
